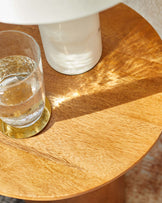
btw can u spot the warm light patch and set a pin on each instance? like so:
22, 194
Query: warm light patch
59, 100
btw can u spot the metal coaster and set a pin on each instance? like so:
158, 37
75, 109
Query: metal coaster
28, 131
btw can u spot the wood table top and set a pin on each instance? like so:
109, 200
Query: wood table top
103, 121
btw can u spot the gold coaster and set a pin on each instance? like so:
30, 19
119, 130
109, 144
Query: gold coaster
28, 131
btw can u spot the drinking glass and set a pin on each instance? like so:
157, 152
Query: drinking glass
22, 94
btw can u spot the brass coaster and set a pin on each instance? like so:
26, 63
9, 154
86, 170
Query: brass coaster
28, 131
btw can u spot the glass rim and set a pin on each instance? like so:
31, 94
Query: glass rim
37, 62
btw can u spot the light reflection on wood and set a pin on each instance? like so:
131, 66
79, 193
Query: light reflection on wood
103, 121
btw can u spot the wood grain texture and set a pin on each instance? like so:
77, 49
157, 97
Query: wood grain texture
111, 193
103, 121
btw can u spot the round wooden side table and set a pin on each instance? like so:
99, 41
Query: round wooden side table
103, 121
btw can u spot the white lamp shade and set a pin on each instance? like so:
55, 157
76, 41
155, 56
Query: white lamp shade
49, 11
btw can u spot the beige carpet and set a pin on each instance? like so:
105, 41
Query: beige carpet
144, 181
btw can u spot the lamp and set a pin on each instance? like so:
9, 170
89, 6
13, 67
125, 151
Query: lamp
70, 29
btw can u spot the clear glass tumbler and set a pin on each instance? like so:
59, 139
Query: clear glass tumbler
22, 95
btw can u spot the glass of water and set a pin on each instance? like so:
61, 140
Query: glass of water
22, 95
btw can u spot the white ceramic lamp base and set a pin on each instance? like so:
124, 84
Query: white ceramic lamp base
72, 47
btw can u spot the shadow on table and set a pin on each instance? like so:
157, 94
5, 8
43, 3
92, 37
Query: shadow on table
129, 69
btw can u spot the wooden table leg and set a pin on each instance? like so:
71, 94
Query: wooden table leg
110, 193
